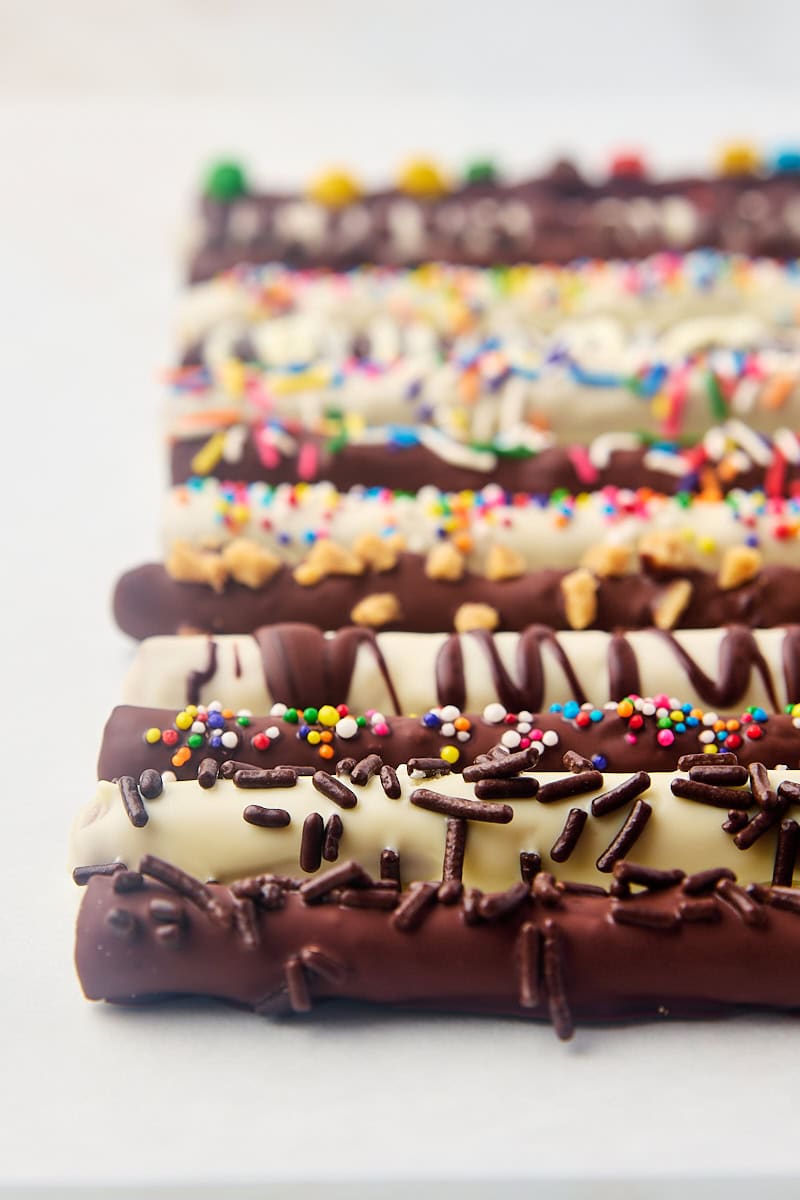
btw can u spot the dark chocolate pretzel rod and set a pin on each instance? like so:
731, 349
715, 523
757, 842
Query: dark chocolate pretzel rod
622, 738
148, 601
553, 218
410, 467
676, 946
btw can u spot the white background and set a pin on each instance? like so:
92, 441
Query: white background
107, 113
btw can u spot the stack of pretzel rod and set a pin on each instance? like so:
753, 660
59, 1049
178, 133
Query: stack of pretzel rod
476, 635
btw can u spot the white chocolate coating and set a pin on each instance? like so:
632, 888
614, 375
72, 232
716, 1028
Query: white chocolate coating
288, 519
204, 832
159, 672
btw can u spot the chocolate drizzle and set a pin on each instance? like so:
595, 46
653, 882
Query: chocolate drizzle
196, 680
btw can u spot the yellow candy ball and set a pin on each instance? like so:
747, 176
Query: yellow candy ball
738, 158
421, 177
183, 720
710, 748
152, 736
334, 188
314, 738
450, 754
327, 715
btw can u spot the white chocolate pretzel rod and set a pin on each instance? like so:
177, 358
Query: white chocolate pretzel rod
486, 826
559, 531
405, 673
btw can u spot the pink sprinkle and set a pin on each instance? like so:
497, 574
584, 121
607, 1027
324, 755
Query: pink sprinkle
266, 450
678, 392
524, 743
584, 467
661, 701
665, 737
537, 734
631, 739
308, 461
381, 729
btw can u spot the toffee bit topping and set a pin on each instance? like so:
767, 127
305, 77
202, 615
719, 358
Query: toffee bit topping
743, 905
545, 890
345, 765
627, 837
786, 853
297, 985
527, 951
454, 846
311, 842
134, 805
331, 836
706, 881
572, 761
530, 864
570, 785
266, 777
267, 818
457, 806
344, 875
333, 789
414, 907
761, 788
521, 787
502, 767
723, 776
553, 975
620, 795
734, 821
271, 896
82, 875
390, 783
700, 911
365, 768
651, 878
428, 768
390, 866
319, 962
721, 758
567, 840
151, 785
122, 924
631, 913
497, 905
709, 793
185, 884
207, 773
128, 881
757, 827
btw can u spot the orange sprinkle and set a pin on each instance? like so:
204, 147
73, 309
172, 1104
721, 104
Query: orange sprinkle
227, 713
718, 726
326, 736
326, 751
462, 723
732, 726
463, 542
777, 391
181, 756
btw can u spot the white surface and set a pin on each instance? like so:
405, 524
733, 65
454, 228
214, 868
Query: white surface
93, 188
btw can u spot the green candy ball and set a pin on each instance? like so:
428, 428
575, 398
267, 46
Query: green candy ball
225, 181
481, 171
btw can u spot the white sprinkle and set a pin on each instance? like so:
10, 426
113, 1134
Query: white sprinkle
215, 706
198, 727
244, 712
450, 712
377, 719
710, 718
447, 729
538, 746
168, 777
511, 739
524, 715
494, 714
463, 735
524, 727
277, 710
229, 739
550, 737
707, 736
648, 709
347, 727
273, 732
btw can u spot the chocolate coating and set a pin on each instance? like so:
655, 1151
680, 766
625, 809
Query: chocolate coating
147, 601
411, 467
575, 956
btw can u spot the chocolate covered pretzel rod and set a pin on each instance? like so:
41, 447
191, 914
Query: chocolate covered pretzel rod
636, 734
413, 457
682, 947
404, 672
555, 217
494, 820
435, 594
